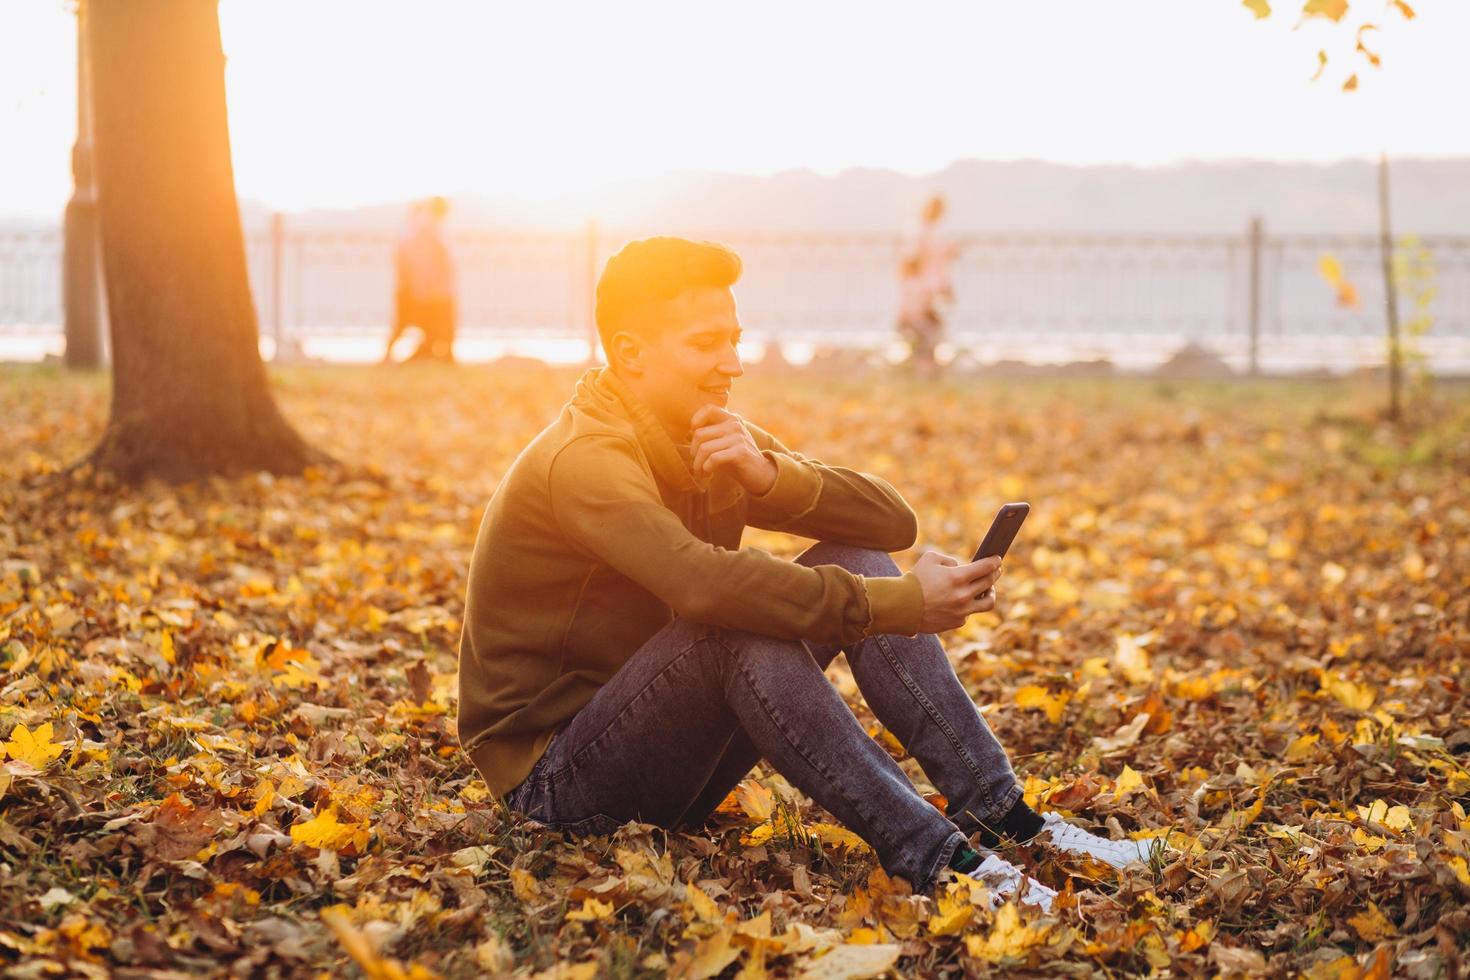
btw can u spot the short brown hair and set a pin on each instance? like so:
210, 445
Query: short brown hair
655, 270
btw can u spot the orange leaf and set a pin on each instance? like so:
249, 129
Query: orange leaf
1372, 57
1333, 10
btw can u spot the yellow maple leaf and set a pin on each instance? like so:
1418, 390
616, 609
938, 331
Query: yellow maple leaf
1260, 8
1460, 868
33, 748
836, 836
757, 836
703, 907
327, 832
265, 796
1128, 781
754, 799
953, 910
1036, 698
591, 911
1008, 937
1301, 747
1359, 697
1372, 925
527, 889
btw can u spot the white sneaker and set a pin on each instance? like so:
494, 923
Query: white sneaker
1004, 879
1071, 839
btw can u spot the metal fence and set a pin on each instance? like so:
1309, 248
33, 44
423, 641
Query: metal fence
1251, 297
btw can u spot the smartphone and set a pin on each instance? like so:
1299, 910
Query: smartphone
1002, 530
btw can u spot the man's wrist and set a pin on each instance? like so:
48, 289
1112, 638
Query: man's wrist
764, 485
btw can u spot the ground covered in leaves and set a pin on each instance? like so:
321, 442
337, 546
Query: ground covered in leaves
1237, 618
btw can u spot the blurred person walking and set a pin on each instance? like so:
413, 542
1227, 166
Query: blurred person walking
423, 294
925, 289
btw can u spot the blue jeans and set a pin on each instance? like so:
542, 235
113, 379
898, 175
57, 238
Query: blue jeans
697, 706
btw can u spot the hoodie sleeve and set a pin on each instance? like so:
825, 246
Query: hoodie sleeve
830, 503
605, 500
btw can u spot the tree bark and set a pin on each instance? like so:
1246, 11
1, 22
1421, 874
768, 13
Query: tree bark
190, 395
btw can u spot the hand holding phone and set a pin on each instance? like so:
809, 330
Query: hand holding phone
949, 586
1003, 528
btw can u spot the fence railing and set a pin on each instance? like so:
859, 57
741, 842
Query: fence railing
1251, 297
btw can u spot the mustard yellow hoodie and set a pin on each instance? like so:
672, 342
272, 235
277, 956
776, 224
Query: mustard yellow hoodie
600, 534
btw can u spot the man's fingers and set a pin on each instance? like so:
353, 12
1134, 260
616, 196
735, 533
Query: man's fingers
717, 430
708, 450
941, 558
977, 570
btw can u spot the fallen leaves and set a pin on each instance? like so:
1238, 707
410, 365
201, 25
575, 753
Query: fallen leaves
251, 687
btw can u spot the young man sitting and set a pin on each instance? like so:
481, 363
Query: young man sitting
624, 658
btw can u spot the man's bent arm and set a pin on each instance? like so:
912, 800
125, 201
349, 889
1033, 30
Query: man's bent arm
605, 500
830, 503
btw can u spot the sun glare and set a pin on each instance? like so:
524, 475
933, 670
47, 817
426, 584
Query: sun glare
337, 104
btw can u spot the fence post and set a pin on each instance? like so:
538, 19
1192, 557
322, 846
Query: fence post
1390, 294
1255, 243
278, 247
81, 275
591, 290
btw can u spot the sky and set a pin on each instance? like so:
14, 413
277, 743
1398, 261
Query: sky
337, 103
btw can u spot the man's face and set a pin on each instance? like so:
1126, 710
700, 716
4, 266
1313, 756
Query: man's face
692, 359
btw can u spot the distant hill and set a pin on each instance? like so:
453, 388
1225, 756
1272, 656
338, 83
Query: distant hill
1430, 197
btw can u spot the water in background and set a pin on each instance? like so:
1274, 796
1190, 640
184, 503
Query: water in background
1132, 300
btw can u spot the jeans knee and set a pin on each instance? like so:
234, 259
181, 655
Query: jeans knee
859, 561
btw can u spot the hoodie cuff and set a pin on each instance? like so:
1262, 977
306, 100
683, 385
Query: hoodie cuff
895, 604
796, 489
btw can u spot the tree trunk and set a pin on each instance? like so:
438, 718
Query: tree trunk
190, 395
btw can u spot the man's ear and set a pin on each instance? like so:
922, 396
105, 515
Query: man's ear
627, 353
